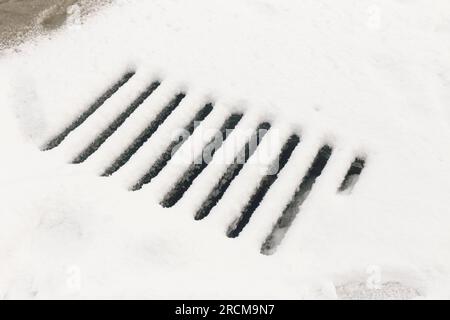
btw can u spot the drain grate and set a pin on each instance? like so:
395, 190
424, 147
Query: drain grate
173, 147
115, 124
97, 104
264, 186
287, 216
352, 175
232, 171
292, 209
145, 135
201, 163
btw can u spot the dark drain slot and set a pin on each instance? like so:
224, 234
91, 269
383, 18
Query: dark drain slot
352, 175
292, 209
56, 141
264, 186
232, 171
200, 163
86, 153
145, 135
173, 147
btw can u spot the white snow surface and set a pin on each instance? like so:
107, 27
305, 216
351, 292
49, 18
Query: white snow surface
370, 78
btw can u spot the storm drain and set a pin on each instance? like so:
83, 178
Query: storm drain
352, 175
264, 187
145, 135
292, 209
165, 157
83, 117
194, 170
200, 164
115, 124
232, 171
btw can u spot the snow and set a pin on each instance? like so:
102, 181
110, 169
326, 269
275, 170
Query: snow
371, 78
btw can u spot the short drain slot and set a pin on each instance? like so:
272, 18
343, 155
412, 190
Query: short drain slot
292, 209
352, 175
232, 171
86, 153
264, 186
145, 135
182, 185
56, 141
172, 148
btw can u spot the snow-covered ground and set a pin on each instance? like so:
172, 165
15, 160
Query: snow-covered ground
370, 78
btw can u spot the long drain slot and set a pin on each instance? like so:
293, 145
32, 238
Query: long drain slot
118, 121
145, 135
292, 209
232, 171
183, 184
173, 148
56, 141
352, 176
264, 186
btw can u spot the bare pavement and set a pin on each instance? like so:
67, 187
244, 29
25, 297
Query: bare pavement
19, 18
